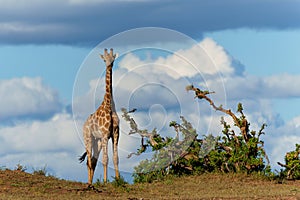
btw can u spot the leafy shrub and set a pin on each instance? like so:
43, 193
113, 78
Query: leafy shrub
230, 152
292, 164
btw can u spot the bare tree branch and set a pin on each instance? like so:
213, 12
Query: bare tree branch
135, 129
243, 125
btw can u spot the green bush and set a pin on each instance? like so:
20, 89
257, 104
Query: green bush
292, 164
186, 153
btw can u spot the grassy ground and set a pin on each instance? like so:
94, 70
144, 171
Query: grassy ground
21, 185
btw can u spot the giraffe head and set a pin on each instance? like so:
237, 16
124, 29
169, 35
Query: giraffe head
108, 58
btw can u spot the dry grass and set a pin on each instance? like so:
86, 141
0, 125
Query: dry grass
21, 185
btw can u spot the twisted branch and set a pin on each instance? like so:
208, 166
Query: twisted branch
135, 129
242, 125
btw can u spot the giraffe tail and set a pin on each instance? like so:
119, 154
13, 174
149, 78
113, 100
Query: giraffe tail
82, 158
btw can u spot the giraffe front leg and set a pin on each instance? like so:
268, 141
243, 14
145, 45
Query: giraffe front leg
115, 141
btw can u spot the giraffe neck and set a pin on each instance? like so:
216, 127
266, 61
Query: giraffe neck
108, 85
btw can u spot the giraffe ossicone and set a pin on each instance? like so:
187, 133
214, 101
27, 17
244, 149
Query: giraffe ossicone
108, 58
101, 126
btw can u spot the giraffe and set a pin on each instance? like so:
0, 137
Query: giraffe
102, 125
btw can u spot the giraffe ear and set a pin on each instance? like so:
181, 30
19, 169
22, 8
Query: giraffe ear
101, 56
116, 55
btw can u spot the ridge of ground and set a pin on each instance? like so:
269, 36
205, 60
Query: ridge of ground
15, 184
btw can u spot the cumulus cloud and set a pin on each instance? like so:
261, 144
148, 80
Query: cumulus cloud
86, 22
283, 85
27, 97
204, 58
280, 86
53, 143
41, 134
282, 139
56, 134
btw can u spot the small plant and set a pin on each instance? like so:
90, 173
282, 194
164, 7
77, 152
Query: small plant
98, 183
20, 168
119, 182
41, 172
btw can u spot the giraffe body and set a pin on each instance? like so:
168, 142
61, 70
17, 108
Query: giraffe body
102, 125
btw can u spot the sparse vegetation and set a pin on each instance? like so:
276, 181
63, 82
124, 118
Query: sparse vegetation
21, 185
41, 171
119, 182
21, 168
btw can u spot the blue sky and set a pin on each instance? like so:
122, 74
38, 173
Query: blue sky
254, 44
265, 53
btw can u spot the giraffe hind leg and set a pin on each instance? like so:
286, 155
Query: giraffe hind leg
97, 146
88, 142
89, 167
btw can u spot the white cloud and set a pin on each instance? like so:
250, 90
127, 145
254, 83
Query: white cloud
56, 134
245, 87
221, 60
54, 143
295, 122
27, 97
283, 85
204, 58
280, 140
